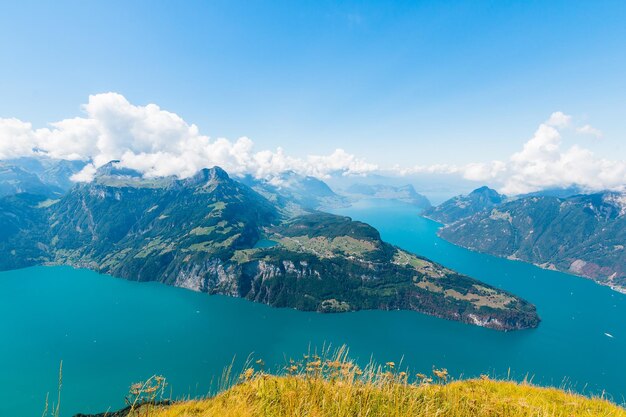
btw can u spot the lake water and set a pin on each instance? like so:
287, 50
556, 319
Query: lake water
111, 332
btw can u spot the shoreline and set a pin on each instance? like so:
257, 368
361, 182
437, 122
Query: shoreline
544, 266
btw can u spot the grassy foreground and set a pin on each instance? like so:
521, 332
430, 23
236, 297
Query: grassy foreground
318, 387
316, 397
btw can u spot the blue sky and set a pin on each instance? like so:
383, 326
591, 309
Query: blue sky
393, 82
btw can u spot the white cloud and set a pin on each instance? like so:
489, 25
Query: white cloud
484, 171
16, 139
543, 162
157, 143
85, 175
589, 130
160, 143
559, 120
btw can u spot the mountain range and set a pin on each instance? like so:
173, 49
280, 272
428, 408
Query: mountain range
296, 191
41, 176
404, 193
582, 234
214, 234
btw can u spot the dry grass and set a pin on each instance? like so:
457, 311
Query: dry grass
319, 387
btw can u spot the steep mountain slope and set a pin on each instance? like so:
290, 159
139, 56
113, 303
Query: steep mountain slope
463, 206
147, 229
405, 193
23, 237
584, 234
202, 233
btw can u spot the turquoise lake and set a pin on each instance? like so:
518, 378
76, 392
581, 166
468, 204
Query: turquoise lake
110, 332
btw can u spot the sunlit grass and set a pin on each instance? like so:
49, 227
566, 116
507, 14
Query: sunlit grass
334, 386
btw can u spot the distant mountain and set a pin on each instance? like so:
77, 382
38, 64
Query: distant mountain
555, 192
205, 233
14, 180
582, 234
462, 206
296, 191
59, 172
40, 176
405, 193
112, 171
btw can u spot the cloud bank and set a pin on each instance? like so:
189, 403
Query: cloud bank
543, 162
156, 143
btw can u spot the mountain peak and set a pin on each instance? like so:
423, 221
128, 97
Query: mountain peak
207, 176
462, 206
485, 193
485, 190
113, 169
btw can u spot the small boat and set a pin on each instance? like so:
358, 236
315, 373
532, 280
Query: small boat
608, 335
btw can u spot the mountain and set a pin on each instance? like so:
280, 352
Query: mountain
295, 191
555, 192
112, 171
436, 187
154, 229
14, 180
582, 234
405, 193
462, 206
360, 271
23, 231
58, 173
40, 176
207, 233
